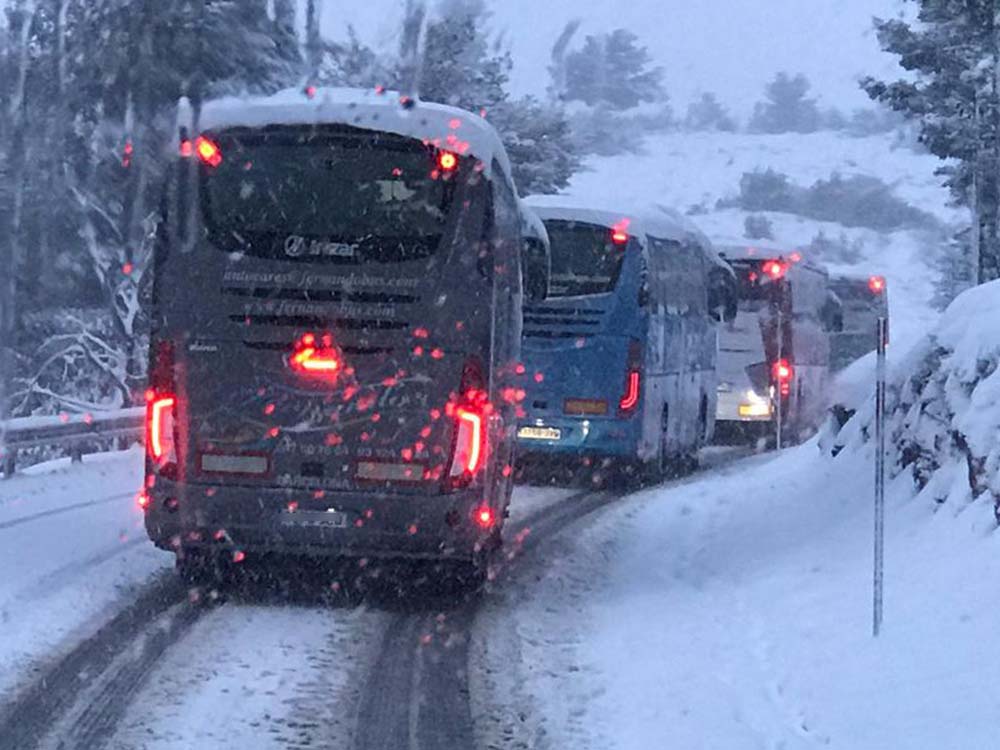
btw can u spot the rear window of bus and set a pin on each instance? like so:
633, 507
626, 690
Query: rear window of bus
295, 194
584, 259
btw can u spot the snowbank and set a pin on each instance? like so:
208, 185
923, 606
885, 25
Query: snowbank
944, 405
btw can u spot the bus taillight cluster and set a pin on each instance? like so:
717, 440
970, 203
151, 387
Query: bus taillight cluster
782, 373
161, 409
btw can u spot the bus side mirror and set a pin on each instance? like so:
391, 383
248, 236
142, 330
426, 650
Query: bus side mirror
644, 296
536, 270
722, 300
833, 314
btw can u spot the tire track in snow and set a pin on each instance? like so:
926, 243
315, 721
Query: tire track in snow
416, 696
64, 509
94, 681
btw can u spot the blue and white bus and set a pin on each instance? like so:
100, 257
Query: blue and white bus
619, 360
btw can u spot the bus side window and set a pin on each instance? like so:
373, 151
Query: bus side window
645, 295
664, 270
696, 287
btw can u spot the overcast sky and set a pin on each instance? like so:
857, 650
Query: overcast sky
729, 46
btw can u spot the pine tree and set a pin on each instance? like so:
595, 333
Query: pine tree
463, 68
953, 55
786, 108
707, 113
612, 69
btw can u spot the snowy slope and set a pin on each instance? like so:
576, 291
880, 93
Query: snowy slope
683, 170
735, 612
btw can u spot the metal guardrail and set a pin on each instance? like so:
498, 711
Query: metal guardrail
74, 431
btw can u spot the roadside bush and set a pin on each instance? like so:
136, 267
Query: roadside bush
758, 227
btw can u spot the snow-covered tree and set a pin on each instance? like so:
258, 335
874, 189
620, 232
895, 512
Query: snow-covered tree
707, 113
952, 53
612, 69
463, 67
88, 87
787, 108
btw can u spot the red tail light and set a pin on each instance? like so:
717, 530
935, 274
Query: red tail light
619, 232
447, 161
782, 373
485, 517
774, 269
471, 414
633, 378
160, 427
876, 284
161, 406
313, 357
631, 398
468, 444
208, 151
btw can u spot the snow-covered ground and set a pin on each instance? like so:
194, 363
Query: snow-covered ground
683, 170
735, 612
72, 549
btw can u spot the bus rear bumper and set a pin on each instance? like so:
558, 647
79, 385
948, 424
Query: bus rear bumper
339, 524
605, 438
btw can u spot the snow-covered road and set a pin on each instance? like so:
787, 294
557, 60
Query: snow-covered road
730, 609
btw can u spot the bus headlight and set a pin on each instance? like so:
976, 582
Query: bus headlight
755, 405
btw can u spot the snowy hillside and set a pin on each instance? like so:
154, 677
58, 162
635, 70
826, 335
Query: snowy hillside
944, 406
693, 171
734, 610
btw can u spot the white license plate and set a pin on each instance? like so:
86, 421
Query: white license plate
329, 519
539, 433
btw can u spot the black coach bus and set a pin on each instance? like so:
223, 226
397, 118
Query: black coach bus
336, 314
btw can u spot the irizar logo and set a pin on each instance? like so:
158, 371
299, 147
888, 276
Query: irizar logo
297, 246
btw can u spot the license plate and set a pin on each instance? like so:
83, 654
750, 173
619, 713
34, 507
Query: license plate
328, 519
539, 433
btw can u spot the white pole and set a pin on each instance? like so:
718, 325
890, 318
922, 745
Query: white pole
882, 331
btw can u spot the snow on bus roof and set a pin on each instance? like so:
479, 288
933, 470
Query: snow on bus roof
654, 219
446, 127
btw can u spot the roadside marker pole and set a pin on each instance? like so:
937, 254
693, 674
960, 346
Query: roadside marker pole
778, 384
882, 334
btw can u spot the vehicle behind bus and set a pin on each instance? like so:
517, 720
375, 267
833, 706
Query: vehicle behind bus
619, 361
774, 357
864, 301
337, 308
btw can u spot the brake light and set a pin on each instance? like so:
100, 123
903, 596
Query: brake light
485, 517
470, 415
313, 357
447, 161
469, 443
631, 398
633, 378
208, 151
774, 268
161, 406
876, 284
160, 427
619, 232
782, 373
